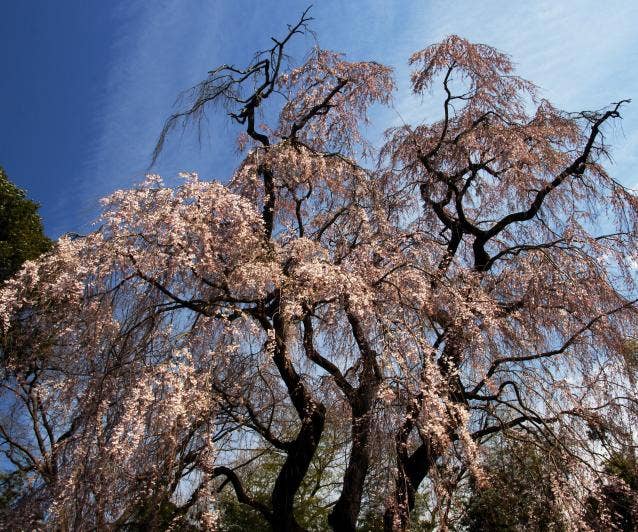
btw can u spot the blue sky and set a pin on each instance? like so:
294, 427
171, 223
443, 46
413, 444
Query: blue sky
85, 85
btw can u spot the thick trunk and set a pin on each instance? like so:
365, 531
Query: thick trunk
411, 471
294, 470
312, 415
413, 468
345, 513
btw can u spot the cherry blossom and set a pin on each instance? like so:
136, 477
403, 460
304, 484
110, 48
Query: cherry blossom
474, 278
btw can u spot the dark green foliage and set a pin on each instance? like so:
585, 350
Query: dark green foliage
152, 516
312, 503
625, 467
237, 517
11, 486
616, 505
518, 496
258, 479
21, 232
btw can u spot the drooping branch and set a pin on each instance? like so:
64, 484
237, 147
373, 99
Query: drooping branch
322, 107
552, 352
575, 169
241, 494
225, 83
324, 363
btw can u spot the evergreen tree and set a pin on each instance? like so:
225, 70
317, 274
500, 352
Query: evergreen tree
518, 495
615, 506
21, 232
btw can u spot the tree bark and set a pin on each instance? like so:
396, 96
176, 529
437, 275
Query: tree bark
413, 468
411, 471
345, 513
294, 470
312, 415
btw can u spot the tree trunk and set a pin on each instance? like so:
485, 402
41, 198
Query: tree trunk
345, 513
412, 470
312, 415
294, 470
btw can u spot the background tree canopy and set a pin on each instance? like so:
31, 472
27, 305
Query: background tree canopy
21, 232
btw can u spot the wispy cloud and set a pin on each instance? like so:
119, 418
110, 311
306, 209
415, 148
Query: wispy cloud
160, 49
